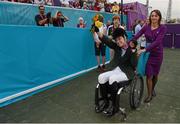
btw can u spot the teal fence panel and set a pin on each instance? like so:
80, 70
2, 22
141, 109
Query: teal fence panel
34, 58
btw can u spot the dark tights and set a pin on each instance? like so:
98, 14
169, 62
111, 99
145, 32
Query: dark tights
155, 80
151, 83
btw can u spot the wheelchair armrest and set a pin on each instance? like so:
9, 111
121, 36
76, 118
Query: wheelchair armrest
97, 86
120, 90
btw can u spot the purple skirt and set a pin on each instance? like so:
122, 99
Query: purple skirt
154, 64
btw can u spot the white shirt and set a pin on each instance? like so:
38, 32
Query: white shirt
39, 1
123, 52
137, 28
112, 26
66, 2
102, 7
101, 29
143, 41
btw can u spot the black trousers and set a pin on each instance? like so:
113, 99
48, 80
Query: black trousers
106, 89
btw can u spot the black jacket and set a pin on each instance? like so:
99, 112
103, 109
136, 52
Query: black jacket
127, 63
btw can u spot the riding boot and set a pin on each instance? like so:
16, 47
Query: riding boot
104, 95
115, 107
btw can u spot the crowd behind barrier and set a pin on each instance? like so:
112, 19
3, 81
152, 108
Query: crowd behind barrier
26, 14
95, 5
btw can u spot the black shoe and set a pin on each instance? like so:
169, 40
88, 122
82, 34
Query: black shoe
103, 66
99, 68
154, 93
110, 111
101, 107
148, 99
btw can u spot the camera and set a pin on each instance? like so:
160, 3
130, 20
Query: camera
48, 15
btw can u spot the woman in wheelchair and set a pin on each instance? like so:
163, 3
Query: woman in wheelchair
123, 70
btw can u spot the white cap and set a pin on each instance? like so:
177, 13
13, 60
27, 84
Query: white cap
80, 18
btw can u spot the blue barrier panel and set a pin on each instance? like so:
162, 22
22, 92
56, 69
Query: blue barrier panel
34, 58
23, 14
130, 35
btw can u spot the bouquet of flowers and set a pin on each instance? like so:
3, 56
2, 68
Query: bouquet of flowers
97, 21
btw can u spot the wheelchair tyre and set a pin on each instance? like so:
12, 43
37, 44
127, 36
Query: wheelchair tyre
136, 92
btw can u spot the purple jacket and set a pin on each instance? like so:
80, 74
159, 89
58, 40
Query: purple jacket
154, 37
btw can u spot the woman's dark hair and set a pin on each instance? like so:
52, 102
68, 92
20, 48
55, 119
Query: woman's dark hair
158, 13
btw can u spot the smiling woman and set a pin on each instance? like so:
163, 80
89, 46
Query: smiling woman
154, 33
123, 69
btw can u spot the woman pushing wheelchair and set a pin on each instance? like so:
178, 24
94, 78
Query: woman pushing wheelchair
154, 33
125, 61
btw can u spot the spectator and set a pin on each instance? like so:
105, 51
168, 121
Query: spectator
59, 19
71, 4
115, 8
24, 1
134, 25
141, 40
48, 2
65, 3
116, 24
147, 21
41, 19
85, 6
108, 7
91, 4
100, 48
81, 23
97, 6
81, 3
39, 2
101, 5
76, 4
91, 7
139, 26
108, 24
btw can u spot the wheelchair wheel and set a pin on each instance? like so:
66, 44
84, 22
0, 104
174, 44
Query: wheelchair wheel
136, 92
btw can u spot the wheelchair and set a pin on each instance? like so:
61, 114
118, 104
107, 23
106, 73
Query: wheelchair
134, 87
